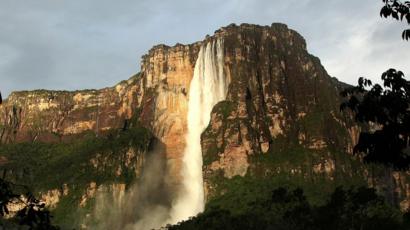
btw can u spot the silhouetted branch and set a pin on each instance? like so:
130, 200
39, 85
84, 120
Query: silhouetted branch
399, 11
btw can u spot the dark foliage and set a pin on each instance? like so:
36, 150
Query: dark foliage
387, 110
399, 11
359, 208
33, 214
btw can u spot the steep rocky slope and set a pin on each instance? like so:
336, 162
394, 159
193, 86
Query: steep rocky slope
280, 123
50, 116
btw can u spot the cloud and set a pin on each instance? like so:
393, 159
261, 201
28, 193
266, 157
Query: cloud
92, 44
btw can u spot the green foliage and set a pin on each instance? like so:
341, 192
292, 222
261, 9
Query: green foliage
224, 108
388, 109
283, 209
67, 214
46, 166
210, 155
237, 193
359, 208
293, 165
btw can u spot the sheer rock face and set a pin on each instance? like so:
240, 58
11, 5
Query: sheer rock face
277, 91
279, 95
167, 73
54, 115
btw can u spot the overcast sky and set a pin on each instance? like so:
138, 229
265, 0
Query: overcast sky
77, 44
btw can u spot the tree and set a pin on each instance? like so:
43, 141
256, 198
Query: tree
354, 208
385, 110
399, 11
33, 213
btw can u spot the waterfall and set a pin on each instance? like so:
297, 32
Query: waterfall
207, 88
147, 204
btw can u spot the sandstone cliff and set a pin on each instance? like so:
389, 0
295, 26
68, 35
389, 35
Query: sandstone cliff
280, 118
50, 116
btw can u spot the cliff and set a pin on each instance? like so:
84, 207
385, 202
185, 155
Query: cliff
280, 122
50, 116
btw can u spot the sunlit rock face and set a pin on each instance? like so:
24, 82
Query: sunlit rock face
167, 73
52, 116
277, 94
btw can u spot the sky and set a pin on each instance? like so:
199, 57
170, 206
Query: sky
78, 44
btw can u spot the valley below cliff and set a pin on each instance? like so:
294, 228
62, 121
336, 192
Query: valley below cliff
115, 158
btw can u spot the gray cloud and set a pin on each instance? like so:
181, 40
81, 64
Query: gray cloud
91, 44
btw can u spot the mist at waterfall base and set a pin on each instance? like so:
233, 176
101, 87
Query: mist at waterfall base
151, 203
145, 205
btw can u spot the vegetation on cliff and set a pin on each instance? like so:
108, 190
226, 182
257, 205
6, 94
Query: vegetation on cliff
43, 166
289, 209
72, 166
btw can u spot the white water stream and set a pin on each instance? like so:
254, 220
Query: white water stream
148, 200
207, 88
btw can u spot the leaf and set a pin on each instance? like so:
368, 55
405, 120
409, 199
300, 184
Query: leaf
395, 15
385, 11
406, 35
384, 76
367, 82
400, 73
360, 81
402, 14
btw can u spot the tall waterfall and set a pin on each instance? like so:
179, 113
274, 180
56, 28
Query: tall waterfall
207, 88
146, 205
